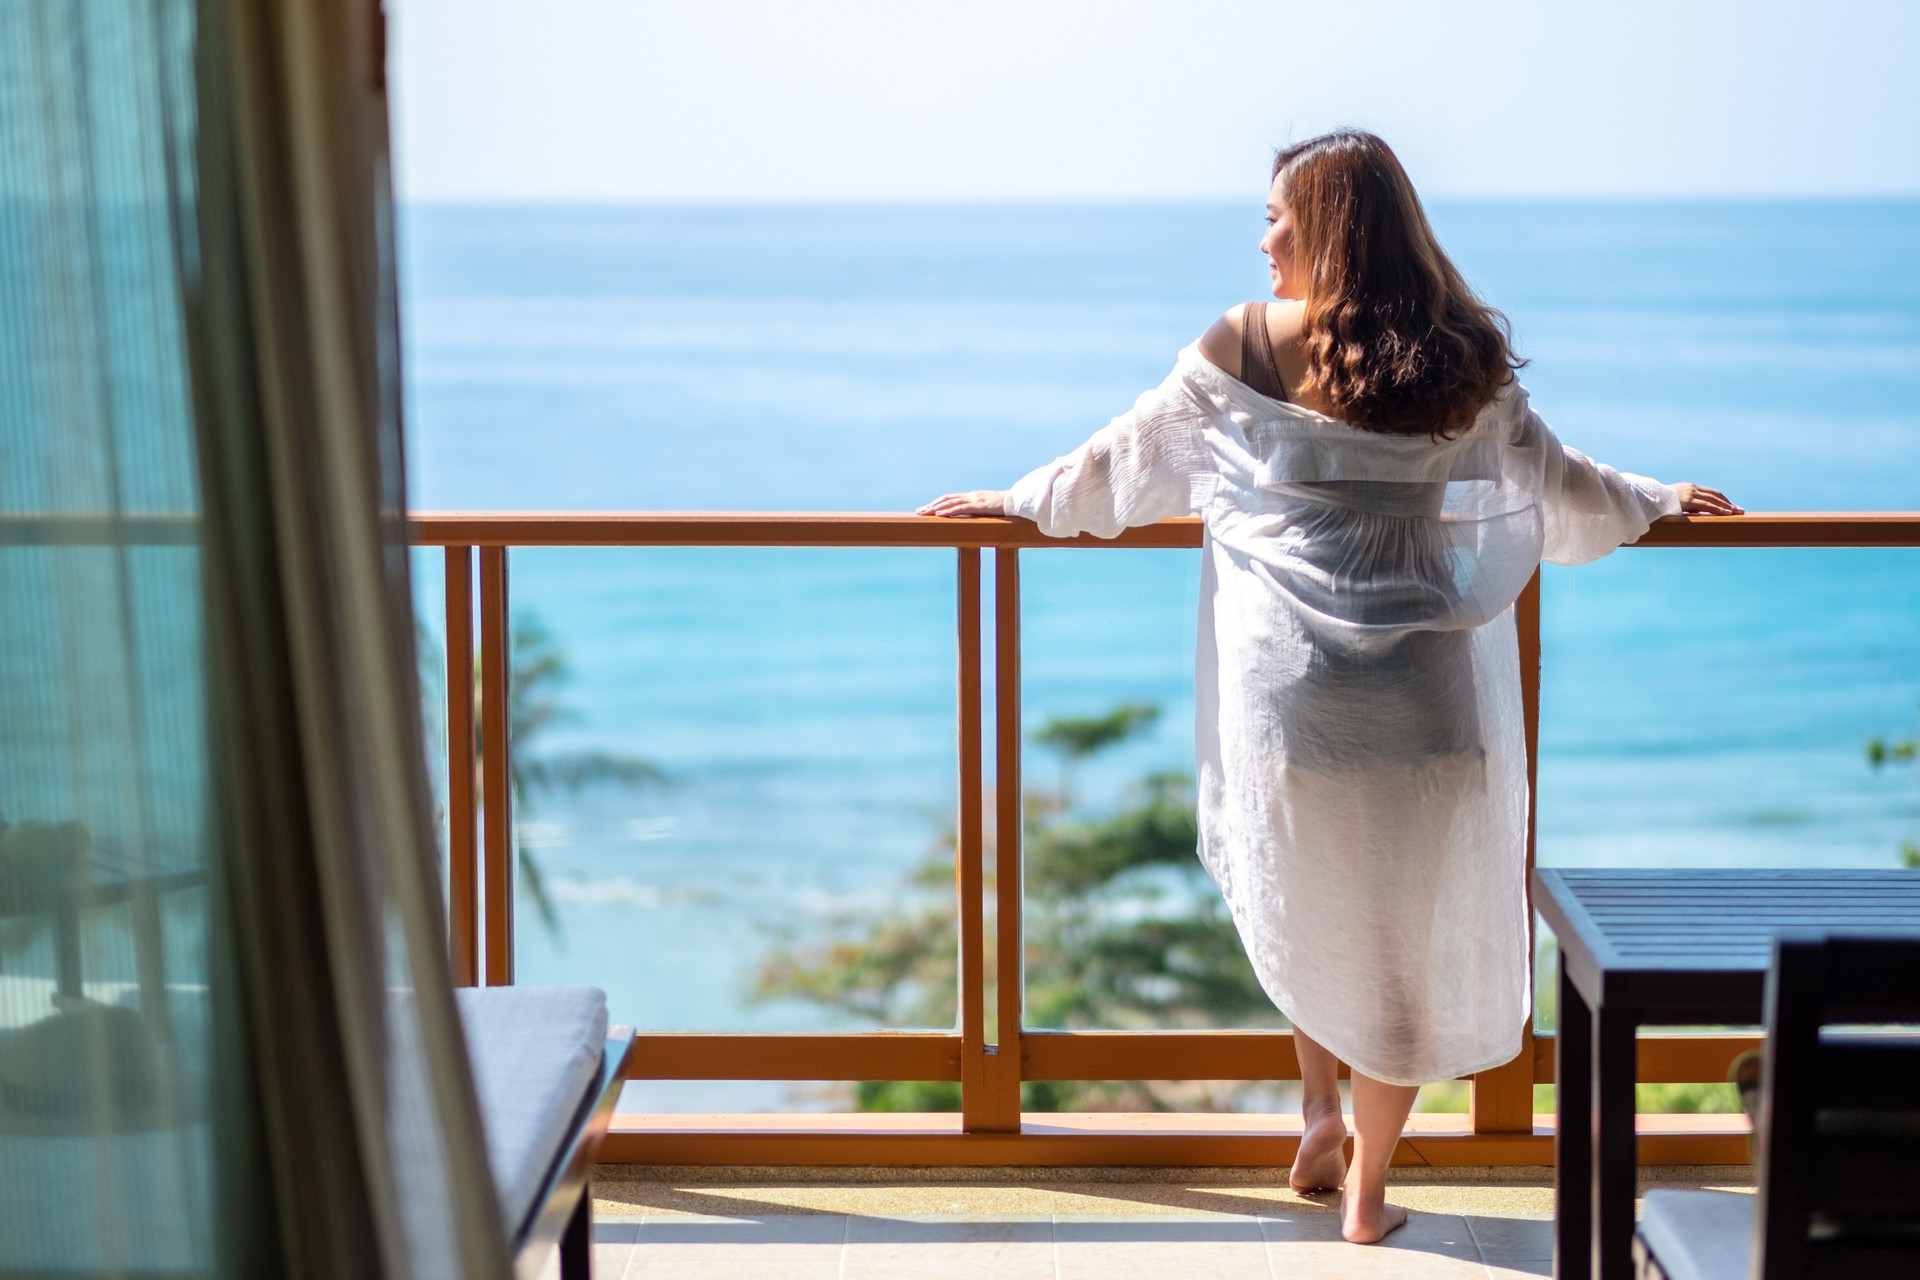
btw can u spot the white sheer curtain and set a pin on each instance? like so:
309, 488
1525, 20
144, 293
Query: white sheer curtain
227, 1037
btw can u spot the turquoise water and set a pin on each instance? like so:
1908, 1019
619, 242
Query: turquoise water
1699, 707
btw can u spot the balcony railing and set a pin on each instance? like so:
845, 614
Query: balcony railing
1499, 1127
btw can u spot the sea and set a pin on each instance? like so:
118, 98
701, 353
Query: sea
1699, 708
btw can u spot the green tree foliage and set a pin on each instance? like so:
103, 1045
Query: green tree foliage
535, 707
1123, 930
1075, 738
1882, 752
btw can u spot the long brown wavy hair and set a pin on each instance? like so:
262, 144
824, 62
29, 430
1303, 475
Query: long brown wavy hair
1396, 340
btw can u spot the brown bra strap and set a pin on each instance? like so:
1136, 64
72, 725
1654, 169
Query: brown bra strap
1257, 369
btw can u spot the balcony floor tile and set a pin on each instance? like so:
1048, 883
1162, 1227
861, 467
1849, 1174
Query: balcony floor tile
979, 1225
1513, 1241
1152, 1246
764, 1247
963, 1248
1309, 1247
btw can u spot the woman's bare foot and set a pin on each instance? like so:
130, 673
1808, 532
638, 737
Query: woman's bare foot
1366, 1219
1379, 1118
1321, 1162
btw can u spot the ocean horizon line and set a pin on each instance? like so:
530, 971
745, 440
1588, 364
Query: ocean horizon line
1648, 200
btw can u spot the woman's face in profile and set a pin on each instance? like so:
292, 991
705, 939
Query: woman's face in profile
1277, 245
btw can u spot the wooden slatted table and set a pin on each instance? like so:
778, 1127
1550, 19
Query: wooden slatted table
1672, 948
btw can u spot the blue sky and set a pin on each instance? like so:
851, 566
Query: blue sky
1084, 99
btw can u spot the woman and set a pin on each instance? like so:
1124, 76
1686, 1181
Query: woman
1376, 492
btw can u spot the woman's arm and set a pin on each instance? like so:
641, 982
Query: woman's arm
1588, 509
1149, 463
1695, 499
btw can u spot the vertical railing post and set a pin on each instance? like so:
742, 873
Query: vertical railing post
968, 849
463, 897
496, 789
1001, 1112
1501, 1100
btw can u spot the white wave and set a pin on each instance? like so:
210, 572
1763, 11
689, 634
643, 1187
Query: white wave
542, 835
623, 891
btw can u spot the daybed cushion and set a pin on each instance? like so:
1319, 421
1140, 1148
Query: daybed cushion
1699, 1235
535, 1053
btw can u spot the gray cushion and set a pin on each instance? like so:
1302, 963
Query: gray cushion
1699, 1235
535, 1052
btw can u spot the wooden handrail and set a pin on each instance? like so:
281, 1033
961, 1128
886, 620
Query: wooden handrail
763, 529
1787, 529
99, 529
880, 529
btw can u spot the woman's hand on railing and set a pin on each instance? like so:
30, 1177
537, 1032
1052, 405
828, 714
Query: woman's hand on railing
1698, 500
976, 502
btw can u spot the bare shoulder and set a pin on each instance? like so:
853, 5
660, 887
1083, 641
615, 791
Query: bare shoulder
1286, 323
1220, 344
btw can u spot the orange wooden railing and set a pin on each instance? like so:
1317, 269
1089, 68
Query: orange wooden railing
1499, 1127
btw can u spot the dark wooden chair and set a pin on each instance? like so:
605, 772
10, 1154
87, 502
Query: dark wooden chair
548, 1071
562, 1216
1838, 1130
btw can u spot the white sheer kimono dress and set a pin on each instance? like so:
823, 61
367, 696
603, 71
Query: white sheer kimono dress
1361, 753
